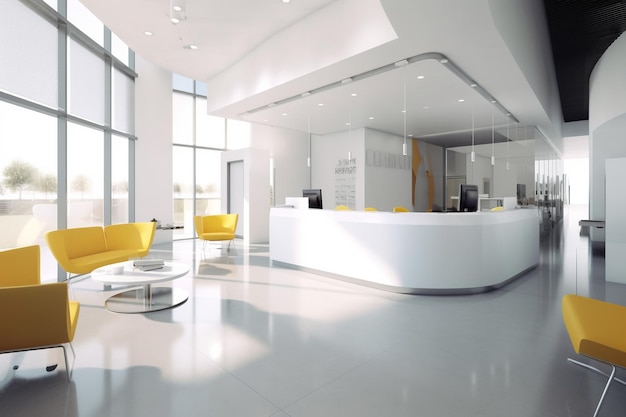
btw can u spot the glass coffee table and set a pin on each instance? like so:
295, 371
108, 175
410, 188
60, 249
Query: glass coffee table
147, 298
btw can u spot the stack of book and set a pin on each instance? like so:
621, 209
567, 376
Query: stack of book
148, 264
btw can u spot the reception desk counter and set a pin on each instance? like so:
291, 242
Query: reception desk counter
414, 253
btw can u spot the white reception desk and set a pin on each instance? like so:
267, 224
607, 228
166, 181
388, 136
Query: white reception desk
414, 253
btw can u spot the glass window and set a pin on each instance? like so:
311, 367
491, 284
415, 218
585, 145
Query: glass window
183, 118
182, 175
180, 83
85, 176
28, 180
201, 89
238, 134
84, 20
123, 102
52, 3
119, 49
210, 130
208, 177
28, 43
86, 83
119, 179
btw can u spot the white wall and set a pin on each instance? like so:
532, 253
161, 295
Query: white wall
387, 171
153, 149
256, 192
607, 124
289, 149
329, 162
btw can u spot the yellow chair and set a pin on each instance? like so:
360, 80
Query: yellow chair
342, 207
216, 227
370, 209
20, 266
595, 329
400, 209
34, 316
497, 208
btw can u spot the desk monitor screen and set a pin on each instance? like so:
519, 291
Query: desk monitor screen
468, 197
315, 197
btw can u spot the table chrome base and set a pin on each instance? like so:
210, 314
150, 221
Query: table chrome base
146, 299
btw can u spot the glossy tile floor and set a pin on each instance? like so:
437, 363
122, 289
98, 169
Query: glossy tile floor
256, 340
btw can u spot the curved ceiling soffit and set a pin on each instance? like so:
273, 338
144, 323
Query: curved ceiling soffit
302, 49
434, 56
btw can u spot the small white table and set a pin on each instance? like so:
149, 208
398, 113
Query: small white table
147, 298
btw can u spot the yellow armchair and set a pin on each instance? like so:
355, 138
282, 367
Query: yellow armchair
400, 209
20, 266
342, 207
217, 227
34, 316
595, 329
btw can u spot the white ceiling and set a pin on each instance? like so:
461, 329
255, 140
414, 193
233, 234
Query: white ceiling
253, 53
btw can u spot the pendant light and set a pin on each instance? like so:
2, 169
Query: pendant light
404, 149
473, 154
493, 146
308, 158
508, 142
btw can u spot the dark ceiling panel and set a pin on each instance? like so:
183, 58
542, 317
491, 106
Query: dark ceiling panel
580, 32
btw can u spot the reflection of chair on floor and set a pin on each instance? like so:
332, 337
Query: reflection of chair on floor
370, 209
217, 227
400, 209
342, 207
596, 330
33, 316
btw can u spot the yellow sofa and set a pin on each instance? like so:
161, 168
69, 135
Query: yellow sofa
81, 250
33, 315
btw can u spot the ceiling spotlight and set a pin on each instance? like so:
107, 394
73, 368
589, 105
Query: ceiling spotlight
286, 1
354, 94
175, 20
473, 85
371, 117
177, 8
190, 46
284, 114
346, 81
320, 104
461, 100
147, 33
420, 77
443, 61
305, 94
348, 123
271, 105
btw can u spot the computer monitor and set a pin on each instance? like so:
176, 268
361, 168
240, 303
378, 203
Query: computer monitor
315, 197
468, 197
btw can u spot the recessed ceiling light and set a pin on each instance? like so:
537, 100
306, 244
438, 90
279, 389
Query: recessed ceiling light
426, 107
190, 46
284, 114
320, 104
461, 100
175, 20
371, 117
354, 94
420, 77
286, 1
147, 33
403, 111
177, 8
348, 123
473, 85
